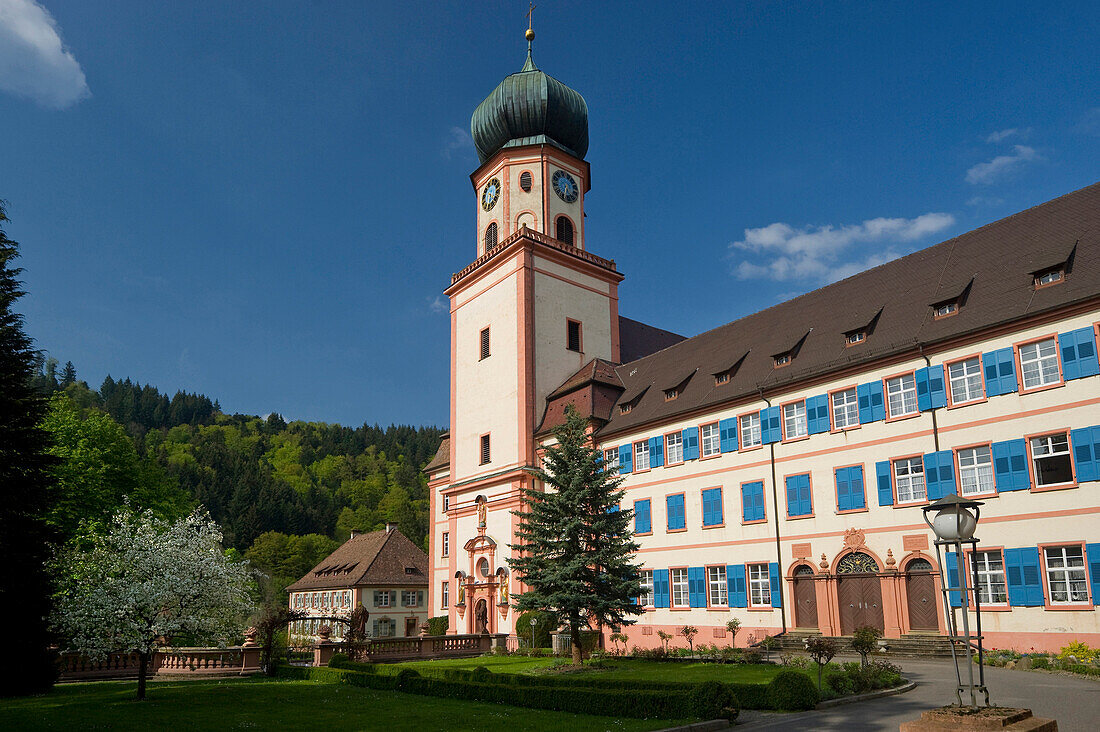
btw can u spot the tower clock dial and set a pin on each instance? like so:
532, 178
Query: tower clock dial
564, 186
490, 195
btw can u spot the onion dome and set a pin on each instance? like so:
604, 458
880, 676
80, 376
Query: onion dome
530, 108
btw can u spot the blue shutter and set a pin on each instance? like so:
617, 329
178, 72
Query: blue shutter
727, 433
1078, 349
885, 486
752, 501
712, 507
792, 495
878, 402
660, 588
864, 394
924, 398
656, 451
799, 501
758, 500
936, 389
626, 459
1025, 581
817, 414
946, 460
675, 511
939, 474
697, 593
690, 436
746, 502
1086, 461
1010, 466
807, 501
953, 579
643, 521
735, 585
776, 587
843, 490
855, 487
770, 425
1000, 372
1092, 558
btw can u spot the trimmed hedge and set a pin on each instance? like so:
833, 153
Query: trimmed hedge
792, 691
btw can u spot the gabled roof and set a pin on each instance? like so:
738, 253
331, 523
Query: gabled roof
993, 265
442, 456
637, 339
376, 558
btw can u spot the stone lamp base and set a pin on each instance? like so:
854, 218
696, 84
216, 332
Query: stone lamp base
964, 719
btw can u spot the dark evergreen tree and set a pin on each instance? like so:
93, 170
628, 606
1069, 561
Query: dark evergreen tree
26, 487
575, 548
68, 375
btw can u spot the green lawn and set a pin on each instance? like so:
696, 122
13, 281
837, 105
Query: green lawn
261, 704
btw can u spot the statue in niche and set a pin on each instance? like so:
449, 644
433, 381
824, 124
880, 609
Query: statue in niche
481, 618
503, 589
461, 592
481, 511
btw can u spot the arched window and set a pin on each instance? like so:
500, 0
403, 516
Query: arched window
525, 181
490, 236
803, 570
857, 563
563, 230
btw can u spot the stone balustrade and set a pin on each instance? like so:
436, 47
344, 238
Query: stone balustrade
232, 661
407, 649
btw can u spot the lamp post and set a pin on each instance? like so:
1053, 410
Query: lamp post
534, 621
953, 520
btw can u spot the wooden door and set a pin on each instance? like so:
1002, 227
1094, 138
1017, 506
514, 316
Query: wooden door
920, 588
872, 604
860, 599
411, 627
805, 603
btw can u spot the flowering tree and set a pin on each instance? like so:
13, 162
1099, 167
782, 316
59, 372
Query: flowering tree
147, 579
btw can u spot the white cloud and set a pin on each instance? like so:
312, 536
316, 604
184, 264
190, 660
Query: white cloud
33, 61
1002, 135
459, 142
439, 305
1001, 166
821, 253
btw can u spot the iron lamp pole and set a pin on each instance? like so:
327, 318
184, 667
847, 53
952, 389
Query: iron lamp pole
953, 520
534, 621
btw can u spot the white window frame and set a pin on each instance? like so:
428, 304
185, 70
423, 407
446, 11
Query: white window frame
445, 595
992, 586
1045, 447
648, 598
717, 589
976, 471
383, 595
446, 543
1067, 568
760, 586
641, 456
749, 425
446, 504
674, 448
901, 392
709, 440
794, 419
912, 480
408, 598
947, 308
1050, 277
1039, 363
611, 458
845, 405
678, 583
965, 380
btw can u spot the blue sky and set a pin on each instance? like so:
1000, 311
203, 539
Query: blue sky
263, 201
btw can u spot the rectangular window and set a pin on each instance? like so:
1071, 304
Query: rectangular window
409, 598
966, 380
709, 440
445, 595
845, 409
782, 359
794, 420
674, 448
1066, 575
611, 459
484, 343
722, 378
446, 504
990, 568
647, 598
485, 453
945, 309
976, 471
909, 479
750, 430
717, 588
752, 501
573, 335
1039, 363
641, 455
674, 507
901, 392
643, 523
760, 586
1051, 458
712, 507
446, 543
381, 598
799, 495
679, 579
1048, 278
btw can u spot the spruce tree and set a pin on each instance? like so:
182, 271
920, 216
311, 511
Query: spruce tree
26, 487
68, 375
574, 545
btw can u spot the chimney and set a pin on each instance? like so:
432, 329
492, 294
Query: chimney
390, 526
356, 532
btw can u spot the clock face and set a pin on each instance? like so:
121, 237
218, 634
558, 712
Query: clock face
564, 186
490, 195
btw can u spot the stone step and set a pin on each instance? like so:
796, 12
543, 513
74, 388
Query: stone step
929, 646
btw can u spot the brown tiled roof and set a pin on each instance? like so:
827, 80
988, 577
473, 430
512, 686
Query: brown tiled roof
637, 340
377, 558
442, 456
592, 391
995, 262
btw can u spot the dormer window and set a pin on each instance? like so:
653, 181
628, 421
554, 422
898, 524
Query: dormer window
855, 338
1049, 277
722, 378
625, 408
671, 394
945, 308
782, 360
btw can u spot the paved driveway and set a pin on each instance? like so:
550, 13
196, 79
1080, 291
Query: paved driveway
1073, 701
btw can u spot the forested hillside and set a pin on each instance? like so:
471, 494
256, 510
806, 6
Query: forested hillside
284, 493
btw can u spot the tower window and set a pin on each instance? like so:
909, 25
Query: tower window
490, 236
484, 344
485, 454
564, 230
525, 181
573, 335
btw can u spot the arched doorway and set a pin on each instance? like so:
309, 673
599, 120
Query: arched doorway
859, 593
805, 598
481, 617
920, 591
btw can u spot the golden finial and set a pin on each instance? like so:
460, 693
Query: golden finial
530, 34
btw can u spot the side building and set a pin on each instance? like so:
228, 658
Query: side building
382, 571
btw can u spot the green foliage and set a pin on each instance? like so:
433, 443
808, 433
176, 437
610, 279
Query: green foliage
711, 700
438, 625
1080, 651
865, 641
284, 559
575, 549
792, 691
545, 626
689, 632
732, 626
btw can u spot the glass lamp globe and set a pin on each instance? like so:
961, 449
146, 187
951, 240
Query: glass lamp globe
954, 523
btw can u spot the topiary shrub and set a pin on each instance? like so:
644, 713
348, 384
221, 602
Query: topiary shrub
405, 677
712, 700
438, 625
338, 660
481, 675
791, 691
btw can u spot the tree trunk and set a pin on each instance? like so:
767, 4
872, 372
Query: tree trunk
575, 638
143, 670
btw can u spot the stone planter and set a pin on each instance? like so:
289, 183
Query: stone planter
965, 719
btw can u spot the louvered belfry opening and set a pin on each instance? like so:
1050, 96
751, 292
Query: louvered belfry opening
484, 343
525, 181
490, 236
563, 230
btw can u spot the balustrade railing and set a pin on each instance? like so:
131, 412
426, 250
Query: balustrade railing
175, 661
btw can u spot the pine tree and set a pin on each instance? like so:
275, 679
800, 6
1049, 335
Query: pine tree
68, 376
26, 486
575, 547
